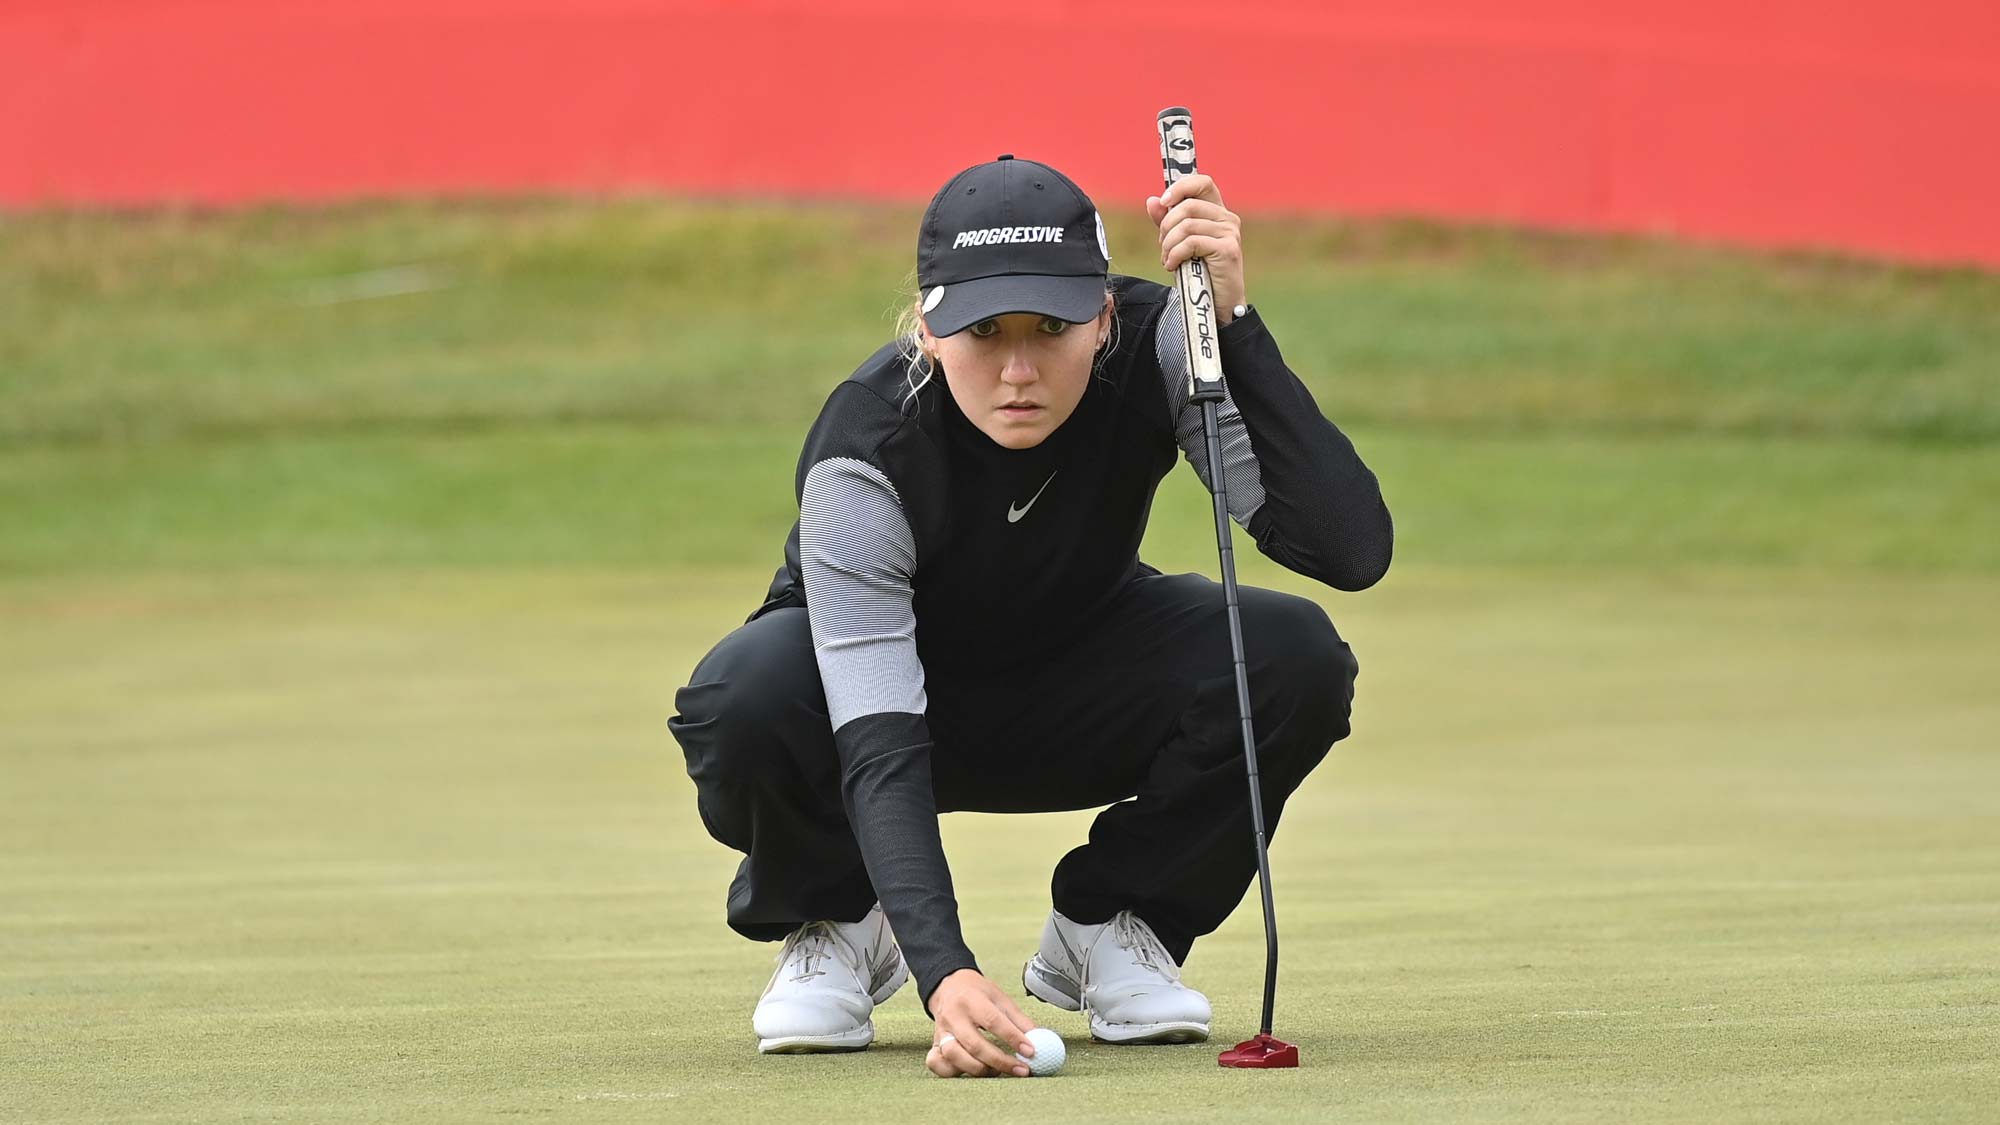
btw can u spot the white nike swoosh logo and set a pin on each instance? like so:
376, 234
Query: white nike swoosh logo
1014, 514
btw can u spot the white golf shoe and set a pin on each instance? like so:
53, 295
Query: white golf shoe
1120, 974
830, 977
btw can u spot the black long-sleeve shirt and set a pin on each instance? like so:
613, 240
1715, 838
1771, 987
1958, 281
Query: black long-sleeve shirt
909, 513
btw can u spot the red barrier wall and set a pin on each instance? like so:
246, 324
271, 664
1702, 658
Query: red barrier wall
1868, 125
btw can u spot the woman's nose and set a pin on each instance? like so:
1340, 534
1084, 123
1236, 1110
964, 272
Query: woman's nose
1017, 369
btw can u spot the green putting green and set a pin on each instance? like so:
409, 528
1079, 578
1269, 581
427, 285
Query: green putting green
418, 846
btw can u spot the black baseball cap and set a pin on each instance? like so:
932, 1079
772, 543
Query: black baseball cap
1010, 236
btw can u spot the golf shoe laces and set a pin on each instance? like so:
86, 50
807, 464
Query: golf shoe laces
812, 944
1132, 934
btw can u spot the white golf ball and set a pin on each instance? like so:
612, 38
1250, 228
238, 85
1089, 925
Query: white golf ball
1049, 1053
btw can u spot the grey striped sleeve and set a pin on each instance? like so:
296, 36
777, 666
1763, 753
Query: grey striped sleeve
858, 555
1239, 461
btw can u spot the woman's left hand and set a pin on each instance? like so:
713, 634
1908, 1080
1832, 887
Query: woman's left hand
1194, 224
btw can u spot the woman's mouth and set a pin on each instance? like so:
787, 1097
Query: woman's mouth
1019, 410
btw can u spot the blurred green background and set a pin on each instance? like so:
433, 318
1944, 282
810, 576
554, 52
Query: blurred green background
349, 557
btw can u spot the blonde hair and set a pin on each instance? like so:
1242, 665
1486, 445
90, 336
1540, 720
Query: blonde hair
920, 365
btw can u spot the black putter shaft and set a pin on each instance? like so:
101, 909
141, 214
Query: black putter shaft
1205, 386
1222, 537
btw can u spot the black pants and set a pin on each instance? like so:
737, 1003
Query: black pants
1140, 711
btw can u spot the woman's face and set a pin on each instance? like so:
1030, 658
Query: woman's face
1019, 376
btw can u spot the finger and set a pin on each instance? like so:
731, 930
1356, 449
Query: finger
1195, 209
959, 1051
1199, 185
961, 1060
996, 1058
1191, 227
934, 1061
1200, 246
1016, 1031
1017, 1024
1155, 210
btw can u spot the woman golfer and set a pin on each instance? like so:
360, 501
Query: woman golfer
963, 623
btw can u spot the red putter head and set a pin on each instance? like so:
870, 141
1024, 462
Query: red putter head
1261, 1053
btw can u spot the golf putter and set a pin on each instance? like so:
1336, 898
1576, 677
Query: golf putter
1205, 387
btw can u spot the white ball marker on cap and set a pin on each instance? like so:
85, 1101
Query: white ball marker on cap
934, 298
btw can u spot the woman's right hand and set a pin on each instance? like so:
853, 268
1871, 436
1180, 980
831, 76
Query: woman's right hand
966, 1004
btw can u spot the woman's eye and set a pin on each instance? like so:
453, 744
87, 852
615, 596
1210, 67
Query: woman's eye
1054, 326
985, 328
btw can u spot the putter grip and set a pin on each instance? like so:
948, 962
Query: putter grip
1197, 299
